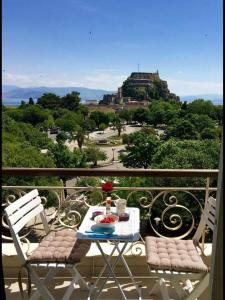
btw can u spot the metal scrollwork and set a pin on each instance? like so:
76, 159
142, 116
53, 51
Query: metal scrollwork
145, 201
171, 216
68, 216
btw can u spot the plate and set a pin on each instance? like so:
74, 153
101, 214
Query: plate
103, 230
98, 220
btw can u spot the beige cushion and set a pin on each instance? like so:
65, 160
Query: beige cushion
173, 255
60, 246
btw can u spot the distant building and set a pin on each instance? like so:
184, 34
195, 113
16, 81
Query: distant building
94, 102
149, 85
140, 87
116, 98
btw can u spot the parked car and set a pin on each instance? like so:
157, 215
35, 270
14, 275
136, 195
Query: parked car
54, 130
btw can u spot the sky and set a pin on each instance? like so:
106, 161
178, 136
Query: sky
98, 43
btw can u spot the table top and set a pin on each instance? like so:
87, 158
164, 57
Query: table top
124, 230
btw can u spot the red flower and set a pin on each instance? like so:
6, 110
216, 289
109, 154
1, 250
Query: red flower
107, 187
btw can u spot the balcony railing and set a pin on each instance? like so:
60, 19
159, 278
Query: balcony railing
171, 211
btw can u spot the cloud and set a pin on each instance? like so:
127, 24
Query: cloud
99, 79
14, 78
185, 87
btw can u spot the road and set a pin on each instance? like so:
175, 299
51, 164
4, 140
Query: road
99, 135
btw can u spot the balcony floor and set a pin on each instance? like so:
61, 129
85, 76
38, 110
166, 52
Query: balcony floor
110, 291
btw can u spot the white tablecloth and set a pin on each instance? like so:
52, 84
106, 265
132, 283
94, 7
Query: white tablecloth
124, 230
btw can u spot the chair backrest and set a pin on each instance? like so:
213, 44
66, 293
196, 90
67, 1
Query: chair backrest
20, 212
208, 218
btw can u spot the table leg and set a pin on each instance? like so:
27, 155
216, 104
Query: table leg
110, 271
104, 267
114, 264
129, 272
120, 256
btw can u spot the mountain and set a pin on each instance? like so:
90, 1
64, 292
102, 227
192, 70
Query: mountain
7, 88
36, 92
215, 98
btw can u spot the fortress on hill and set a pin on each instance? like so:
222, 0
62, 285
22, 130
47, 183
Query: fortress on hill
141, 87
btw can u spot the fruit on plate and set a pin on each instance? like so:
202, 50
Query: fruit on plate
108, 219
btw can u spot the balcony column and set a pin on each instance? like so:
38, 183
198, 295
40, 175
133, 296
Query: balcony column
216, 274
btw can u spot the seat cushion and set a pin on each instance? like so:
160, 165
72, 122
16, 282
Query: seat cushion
60, 246
173, 255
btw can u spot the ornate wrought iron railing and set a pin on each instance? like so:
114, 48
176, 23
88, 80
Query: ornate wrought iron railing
165, 210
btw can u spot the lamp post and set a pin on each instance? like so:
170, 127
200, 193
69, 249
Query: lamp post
113, 149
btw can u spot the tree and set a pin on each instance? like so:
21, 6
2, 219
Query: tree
126, 115
25, 155
61, 137
15, 114
23, 104
64, 158
31, 101
49, 100
202, 107
80, 136
219, 113
22, 132
210, 133
200, 121
141, 115
71, 101
99, 117
83, 110
181, 129
111, 116
161, 112
140, 150
184, 106
94, 154
15, 154
102, 127
189, 154
47, 124
119, 125
34, 115
69, 121
89, 125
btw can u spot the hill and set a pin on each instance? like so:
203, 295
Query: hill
215, 98
7, 88
147, 86
36, 92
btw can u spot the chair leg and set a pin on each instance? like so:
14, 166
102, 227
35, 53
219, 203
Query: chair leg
70, 288
83, 284
51, 273
163, 289
76, 278
155, 289
200, 288
188, 285
179, 290
43, 291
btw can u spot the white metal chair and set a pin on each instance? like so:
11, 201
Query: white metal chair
58, 249
179, 261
